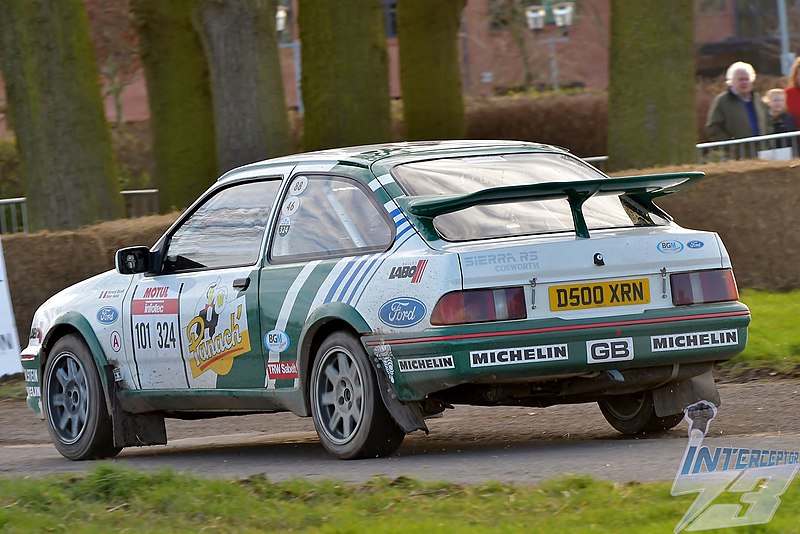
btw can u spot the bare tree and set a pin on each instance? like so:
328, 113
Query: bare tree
179, 93
250, 113
56, 109
651, 116
427, 34
345, 73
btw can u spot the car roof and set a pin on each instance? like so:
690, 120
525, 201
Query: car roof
391, 154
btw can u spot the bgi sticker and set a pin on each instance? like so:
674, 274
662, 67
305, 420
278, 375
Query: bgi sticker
670, 247
276, 340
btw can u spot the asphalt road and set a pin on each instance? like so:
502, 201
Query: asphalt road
468, 445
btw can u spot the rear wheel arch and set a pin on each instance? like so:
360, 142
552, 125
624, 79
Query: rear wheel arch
312, 338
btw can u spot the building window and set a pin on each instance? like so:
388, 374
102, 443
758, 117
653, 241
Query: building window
706, 6
390, 17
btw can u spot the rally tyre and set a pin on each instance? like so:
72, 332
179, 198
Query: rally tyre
635, 414
349, 414
74, 405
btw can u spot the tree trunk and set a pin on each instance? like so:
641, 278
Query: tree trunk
179, 93
651, 115
250, 113
53, 92
345, 78
430, 73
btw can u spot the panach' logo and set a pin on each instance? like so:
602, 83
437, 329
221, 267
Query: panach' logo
218, 333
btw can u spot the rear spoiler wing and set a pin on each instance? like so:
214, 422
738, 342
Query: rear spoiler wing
641, 189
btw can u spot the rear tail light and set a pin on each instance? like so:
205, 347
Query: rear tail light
703, 287
480, 306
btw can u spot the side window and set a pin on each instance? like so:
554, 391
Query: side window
225, 231
326, 216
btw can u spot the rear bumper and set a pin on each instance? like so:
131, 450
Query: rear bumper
531, 351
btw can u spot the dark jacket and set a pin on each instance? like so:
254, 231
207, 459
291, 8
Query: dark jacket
783, 123
727, 117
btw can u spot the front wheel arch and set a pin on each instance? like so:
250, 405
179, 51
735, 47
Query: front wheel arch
73, 402
77, 324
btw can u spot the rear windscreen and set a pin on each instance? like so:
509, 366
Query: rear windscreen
459, 176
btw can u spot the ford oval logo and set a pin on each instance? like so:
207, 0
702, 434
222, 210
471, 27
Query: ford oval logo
107, 315
670, 247
402, 312
695, 244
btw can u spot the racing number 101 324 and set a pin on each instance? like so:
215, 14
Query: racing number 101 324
165, 335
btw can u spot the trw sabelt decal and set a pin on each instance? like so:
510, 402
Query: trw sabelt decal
218, 332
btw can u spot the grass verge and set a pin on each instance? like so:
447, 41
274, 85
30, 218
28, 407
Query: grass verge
111, 499
12, 387
773, 339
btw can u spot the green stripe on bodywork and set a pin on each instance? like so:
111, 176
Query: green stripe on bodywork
394, 190
297, 317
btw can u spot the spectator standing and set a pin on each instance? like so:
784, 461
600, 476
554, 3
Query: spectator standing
737, 112
775, 99
793, 92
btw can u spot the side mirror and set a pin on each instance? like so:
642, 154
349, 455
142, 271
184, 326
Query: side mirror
132, 260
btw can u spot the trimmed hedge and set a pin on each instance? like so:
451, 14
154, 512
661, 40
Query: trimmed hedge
750, 204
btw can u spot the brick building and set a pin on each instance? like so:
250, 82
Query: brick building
725, 31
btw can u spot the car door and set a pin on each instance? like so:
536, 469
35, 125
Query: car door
195, 325
328, 235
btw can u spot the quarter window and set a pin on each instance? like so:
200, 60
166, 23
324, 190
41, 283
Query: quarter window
225, 231
328, 216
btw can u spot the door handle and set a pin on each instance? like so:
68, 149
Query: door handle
241, 283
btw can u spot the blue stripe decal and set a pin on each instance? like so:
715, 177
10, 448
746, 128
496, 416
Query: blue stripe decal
364, 275
399, 234
395, 212
352, 277
338, 281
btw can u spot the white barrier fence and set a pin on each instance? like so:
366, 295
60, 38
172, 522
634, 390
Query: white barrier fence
782, 146
14, 213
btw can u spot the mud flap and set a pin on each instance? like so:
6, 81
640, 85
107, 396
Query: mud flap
408, 416
133, 430
673, 398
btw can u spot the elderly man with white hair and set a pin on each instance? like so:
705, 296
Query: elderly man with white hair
737, 112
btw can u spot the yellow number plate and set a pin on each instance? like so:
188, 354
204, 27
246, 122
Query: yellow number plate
599, 295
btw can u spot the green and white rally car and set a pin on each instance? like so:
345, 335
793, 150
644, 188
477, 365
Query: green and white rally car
372, 287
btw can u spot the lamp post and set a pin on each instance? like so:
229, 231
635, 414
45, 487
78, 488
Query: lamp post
562, 17
281, 18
